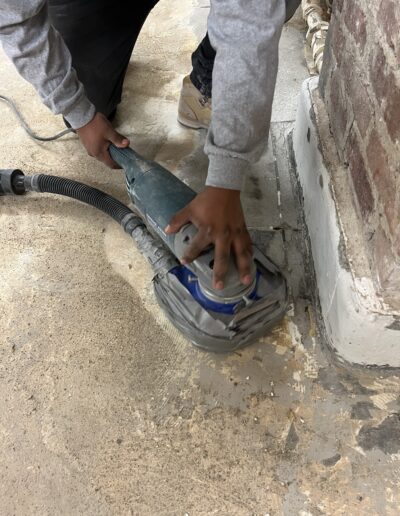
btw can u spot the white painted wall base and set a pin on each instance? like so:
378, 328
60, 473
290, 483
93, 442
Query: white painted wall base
359, 327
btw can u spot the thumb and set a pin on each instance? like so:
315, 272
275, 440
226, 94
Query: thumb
179, 220
117, 139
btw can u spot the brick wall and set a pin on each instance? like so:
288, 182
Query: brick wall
360, 85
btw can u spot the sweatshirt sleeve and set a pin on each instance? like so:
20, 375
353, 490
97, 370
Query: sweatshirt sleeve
245, 35
42, 58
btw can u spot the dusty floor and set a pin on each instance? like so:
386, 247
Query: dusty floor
104, 408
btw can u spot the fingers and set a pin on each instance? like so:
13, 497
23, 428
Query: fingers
200, 241
117, 139
97, 135
221, 255
178, 220
221, 262
105, 157
218, 216
243, 255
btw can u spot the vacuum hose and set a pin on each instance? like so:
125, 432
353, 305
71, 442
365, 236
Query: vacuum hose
15, 182
96, 198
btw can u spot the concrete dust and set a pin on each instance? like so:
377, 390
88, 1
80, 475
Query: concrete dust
105, 408
134, 269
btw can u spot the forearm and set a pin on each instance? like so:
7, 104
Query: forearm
42, 58
245, 36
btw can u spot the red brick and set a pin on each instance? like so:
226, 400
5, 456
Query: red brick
389, 24
359, 98
392, 109
360, 82
378, 72
337, 40
377, 155
355, 21
347, 66
388, 268
337, 5
387, 91
397, 243
359, 176
383, 178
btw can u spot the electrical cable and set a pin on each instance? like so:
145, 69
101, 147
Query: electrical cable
26, 127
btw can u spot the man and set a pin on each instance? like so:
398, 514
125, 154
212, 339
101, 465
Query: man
75, 53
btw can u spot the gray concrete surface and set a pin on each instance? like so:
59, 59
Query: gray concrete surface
104, 408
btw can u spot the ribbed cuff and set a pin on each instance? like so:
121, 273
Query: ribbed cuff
226, 172
81, 114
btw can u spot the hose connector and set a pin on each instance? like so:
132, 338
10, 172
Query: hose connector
12, 182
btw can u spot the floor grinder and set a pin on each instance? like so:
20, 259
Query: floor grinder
215, 320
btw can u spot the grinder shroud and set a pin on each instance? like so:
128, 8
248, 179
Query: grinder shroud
218, 321
208, 327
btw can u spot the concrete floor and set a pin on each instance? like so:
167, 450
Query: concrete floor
105, 409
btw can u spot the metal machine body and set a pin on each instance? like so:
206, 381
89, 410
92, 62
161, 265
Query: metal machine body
216, 320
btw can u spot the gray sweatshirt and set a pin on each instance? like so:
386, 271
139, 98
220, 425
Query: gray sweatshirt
245, 34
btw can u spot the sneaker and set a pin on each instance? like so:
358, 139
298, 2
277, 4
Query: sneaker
194, 109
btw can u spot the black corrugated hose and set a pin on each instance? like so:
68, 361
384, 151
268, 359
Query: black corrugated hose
160, 258
15, 182
84, 193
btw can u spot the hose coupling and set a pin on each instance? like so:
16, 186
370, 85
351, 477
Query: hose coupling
12, 182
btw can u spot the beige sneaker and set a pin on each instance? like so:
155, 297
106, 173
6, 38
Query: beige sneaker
194, 109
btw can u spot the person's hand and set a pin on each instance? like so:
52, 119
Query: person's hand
217, 213
96, 137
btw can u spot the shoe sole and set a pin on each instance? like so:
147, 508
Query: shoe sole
192, 124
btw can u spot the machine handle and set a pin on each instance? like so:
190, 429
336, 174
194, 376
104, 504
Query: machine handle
124, 157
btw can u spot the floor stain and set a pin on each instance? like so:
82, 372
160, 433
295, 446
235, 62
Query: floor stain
385, 436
